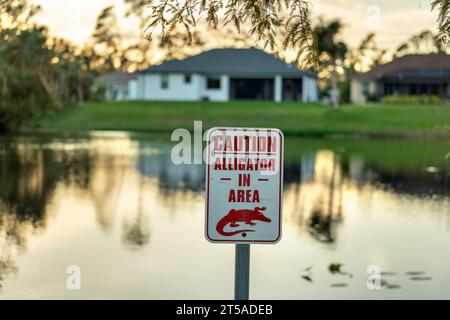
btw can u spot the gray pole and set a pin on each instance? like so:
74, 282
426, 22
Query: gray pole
242, 272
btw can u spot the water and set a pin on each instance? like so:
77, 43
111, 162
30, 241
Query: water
115, 205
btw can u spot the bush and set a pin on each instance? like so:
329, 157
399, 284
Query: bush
98, 92
424, 99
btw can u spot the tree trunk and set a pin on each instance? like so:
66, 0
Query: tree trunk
57, 103
80, 91
335, 94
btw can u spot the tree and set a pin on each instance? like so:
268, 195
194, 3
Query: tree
172, 45
108, 39
366, 55
267, 19
39, 73
26, 65
138, 54
137, 8
331, 53
423, 42
443, 19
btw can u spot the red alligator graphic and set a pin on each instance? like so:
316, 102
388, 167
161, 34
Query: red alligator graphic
235, 216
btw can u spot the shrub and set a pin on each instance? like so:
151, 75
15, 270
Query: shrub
421, 99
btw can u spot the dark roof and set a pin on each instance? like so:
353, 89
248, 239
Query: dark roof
417, 75
430, 66
231, 61
117, 78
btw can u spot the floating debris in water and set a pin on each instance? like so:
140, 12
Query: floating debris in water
339, 285
388, 285
414, 273
421, 278
308, 275
335, 268
388, 273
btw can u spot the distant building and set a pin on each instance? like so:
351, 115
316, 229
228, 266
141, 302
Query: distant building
119, 85
227, 74
405, 76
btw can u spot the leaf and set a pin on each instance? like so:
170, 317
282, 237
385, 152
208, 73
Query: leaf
335, 268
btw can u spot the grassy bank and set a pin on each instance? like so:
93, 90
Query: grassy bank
293, 118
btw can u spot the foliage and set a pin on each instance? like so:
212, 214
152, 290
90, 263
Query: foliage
423, 42
366, 55
443, 19
39, 72
331, 54
266, 20
408, 100
335, 267
108, 39
141, 53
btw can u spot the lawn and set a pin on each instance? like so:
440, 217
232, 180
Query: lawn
293, 118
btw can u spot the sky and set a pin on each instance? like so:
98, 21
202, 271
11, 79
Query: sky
392, 20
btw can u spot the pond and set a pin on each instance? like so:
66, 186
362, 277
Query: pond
115, 205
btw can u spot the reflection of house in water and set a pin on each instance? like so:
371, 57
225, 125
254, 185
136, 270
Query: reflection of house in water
315, 188
307, 167
172, 177
430, 180
358, 170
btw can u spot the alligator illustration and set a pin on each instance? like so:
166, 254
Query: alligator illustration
246, 216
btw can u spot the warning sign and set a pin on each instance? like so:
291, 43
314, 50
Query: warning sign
244, 179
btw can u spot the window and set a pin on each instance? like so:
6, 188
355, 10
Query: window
365, 88
187, 78
423, 89
434, 88
164, 81
388, 89
213, 83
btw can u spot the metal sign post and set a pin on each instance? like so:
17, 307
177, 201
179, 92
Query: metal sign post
242, 272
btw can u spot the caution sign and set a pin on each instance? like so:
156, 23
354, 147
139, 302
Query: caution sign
244, 181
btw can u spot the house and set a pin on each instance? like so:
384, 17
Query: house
118, 85
405, 76
227, 74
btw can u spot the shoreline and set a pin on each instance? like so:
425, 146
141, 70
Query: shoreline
333, 135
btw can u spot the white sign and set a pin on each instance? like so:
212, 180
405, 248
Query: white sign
244, 185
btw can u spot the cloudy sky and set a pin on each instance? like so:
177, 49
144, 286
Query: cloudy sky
393, 20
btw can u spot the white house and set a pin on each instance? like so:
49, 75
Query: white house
117, 85
223, 75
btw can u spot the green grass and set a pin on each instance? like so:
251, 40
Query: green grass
293, 118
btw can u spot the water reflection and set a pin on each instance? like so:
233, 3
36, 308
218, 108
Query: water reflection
136, 231
114, 174
316, 199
